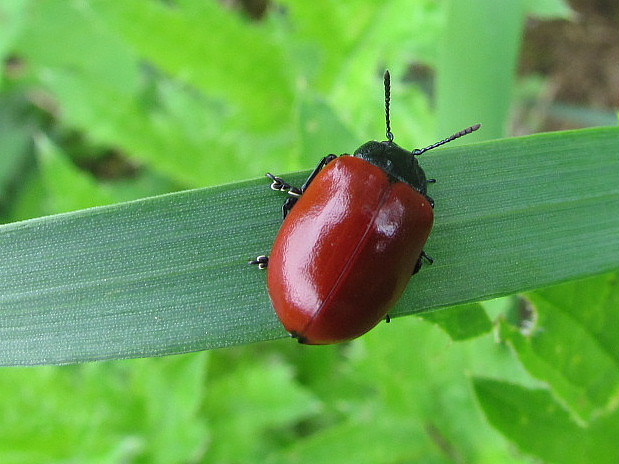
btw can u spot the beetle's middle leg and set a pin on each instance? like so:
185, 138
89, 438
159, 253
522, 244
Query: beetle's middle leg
261, 261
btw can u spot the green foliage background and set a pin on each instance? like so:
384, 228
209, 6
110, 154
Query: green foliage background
195, 94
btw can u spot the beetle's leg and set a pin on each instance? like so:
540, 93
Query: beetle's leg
281, 185
430, 181
261, 261
423, 257
290, 202
296, 192
387, 318
323, 162
418, 265
300, 338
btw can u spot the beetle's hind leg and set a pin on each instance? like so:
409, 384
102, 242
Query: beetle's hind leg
423, 257
300, 338
261, 261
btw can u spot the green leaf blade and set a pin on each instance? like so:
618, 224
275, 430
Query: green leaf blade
131, 279
461, 322
169, 274
523, 215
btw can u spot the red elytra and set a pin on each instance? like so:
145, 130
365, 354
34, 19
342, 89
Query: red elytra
352, 237
346, 251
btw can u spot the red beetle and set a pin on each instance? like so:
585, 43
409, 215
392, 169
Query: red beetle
351, 239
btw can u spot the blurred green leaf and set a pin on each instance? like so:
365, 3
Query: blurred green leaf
12, 16
533, 420
357, 39
320, 130
249, 404
356, 441
189, 43
30, 202
80, 46
15, 142
461, 322
68, 188
146, 410
573, 345
400, 395
169, 274
103, 90
170, 418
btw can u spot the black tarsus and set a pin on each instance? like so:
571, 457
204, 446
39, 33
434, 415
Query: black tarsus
429, 259
281, 185
261, 261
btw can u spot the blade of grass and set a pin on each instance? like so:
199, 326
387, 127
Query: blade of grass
169, 274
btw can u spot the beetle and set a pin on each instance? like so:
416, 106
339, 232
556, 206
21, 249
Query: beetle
351, 238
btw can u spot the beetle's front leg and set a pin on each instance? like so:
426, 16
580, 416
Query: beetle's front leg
281, 185
295, 193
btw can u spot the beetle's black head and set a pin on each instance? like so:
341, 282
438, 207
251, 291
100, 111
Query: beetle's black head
399, 163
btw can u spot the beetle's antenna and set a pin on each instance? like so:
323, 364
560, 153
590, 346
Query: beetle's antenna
387, 80
466, 131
